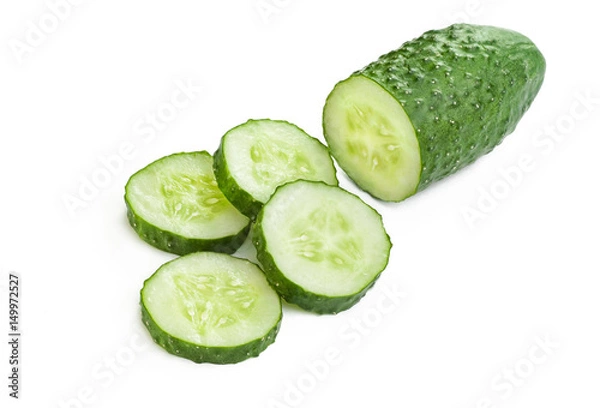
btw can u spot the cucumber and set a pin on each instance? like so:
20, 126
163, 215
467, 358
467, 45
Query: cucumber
211, 308
320, 246
259, 155
175, 205
431, 107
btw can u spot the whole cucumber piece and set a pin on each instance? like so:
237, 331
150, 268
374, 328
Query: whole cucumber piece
431, 107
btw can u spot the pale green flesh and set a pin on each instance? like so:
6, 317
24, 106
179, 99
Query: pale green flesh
264, 154
372, 139
211, 299
179, 194
324, 239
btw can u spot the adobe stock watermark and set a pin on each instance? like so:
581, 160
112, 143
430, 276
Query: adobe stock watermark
105, 372
544, 141
146, 128
517, 374
350, 336
469, 13
38, 30
267, 9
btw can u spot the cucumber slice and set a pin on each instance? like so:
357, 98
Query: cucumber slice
211, 307
431, 107
256, 157
175, 205
320, 246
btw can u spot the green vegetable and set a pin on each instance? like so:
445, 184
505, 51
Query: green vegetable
175, 205
321, 247
431, 107
211, 307
259, 155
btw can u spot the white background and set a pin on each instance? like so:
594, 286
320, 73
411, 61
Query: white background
479, 294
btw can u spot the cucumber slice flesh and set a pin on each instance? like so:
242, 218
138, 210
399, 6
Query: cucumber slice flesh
264, 154
372, 138
258, 156
176, 200
321, 247
179, 193
211, 300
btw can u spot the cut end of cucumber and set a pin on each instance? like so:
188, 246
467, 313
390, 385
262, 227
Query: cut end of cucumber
372, 139
211, 307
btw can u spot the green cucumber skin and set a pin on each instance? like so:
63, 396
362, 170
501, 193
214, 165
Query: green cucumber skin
291, 292
214, 355
244, 202
179, 245
464, 88
240, 199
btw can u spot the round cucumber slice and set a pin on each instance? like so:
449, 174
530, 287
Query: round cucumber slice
175, 205
258, 156
211, 307
320, 246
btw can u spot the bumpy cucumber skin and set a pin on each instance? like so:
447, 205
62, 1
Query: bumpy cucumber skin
177, 244
464, 88
201, 354
293, 293
243, 201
